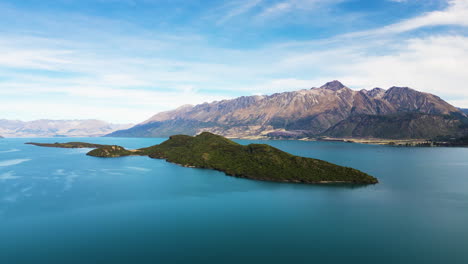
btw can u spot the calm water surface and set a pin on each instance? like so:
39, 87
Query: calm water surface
61, 206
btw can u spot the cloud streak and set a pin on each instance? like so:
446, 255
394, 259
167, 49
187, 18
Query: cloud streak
455, 14
238, 8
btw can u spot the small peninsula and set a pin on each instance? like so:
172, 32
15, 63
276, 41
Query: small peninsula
254, 161
67, 145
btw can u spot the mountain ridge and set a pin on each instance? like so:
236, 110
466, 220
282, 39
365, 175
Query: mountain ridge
313, 111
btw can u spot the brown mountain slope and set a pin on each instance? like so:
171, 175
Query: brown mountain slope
313, 111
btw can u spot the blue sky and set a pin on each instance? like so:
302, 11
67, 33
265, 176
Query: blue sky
125, 60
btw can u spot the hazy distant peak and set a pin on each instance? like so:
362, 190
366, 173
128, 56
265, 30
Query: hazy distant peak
51, 128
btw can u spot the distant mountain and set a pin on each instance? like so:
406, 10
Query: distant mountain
58, 128
464, 110
310, 112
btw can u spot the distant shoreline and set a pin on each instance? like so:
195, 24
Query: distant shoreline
370, 141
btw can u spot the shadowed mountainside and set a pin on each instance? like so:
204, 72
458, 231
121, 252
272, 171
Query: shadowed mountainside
394, 126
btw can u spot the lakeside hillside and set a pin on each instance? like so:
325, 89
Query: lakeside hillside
332, 109
58, 128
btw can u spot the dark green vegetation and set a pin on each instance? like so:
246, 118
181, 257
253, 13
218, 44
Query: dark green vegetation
255, 161
67, 145
111, 151
445, 141
441, 141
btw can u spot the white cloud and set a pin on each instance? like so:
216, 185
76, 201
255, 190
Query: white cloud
121, 89
455, 14
435, 64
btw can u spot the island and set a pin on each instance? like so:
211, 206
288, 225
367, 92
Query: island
253, 161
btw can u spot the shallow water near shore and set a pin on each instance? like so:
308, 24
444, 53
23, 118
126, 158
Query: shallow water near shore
61, 206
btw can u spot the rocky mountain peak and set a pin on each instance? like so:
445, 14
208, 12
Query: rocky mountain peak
409, 100
397, 89
376, 92
333, 85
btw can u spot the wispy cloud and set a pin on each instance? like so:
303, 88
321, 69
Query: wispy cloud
455, 14
283, 7
276, 9
238, 8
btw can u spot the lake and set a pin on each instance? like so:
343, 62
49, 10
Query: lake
61, 206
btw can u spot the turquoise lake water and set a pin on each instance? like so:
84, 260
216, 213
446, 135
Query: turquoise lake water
61, 206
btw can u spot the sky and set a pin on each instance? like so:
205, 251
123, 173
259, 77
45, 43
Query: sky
123, 61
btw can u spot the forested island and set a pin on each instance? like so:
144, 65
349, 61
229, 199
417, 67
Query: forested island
254, 161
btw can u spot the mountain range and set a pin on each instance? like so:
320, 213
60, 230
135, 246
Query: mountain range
58, 128
332, 110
